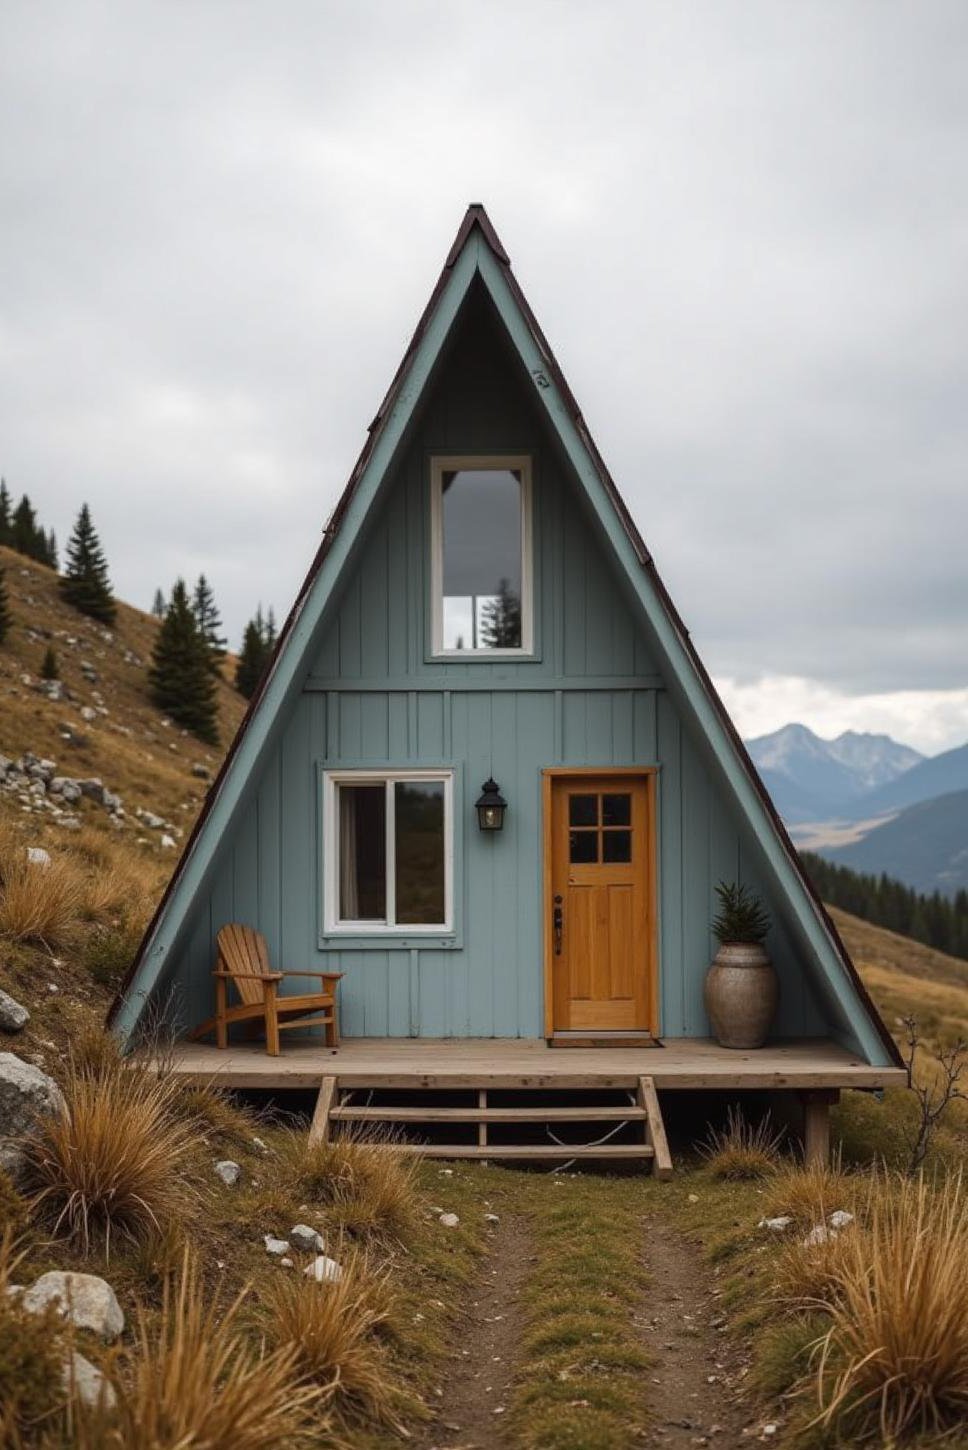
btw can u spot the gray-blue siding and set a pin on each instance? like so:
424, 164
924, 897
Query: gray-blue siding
591, 696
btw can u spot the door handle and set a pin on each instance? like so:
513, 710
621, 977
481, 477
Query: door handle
557, 917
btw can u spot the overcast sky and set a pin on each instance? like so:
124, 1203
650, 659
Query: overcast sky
744, 228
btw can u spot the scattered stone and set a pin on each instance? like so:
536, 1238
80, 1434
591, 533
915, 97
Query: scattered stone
13, 1017
93, 789
694, 1198
436, 1210
263, 1148
167, 843
201, 772
819, 1235
306, 1239
62, 785
840, 1218
771, 1428
229, 1172
88, 713
149, 819
37, 856
449, 1220
87, 1382
286, 1263
87, 1301
324, 1270
776, 1225
275, 1247
26, 1094
491, 1218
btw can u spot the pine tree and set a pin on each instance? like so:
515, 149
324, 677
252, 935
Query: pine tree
158, 605
501, 619
209, 621
6, 517
252, 658
24, 528
51, 550
49, 669
180, 674
6, 618
85, 582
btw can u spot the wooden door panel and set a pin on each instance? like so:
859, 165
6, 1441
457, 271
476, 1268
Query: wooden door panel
600, 878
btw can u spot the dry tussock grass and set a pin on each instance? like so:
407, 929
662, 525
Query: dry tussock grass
742, 1151
894, 1362
31, 1347
113, 1162
370, 1186
39, 903
334, 1330
809, 1193
198, 1382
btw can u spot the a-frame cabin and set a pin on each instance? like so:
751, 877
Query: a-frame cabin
483, 610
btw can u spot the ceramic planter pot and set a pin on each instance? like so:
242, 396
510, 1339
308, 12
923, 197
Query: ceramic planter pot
741, 993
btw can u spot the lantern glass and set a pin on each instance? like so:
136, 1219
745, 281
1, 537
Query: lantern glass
490, 807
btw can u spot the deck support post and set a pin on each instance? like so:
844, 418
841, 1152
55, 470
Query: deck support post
319, 1127
655, 1133
816, 1124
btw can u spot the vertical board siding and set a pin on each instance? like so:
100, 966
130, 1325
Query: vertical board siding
374, 697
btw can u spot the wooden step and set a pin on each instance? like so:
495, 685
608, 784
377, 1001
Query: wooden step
525, 1151
620, 1114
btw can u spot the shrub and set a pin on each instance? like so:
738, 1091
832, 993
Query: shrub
742, 1150
894, 1361
197, 1380
332, 1327
112, 1162
811, 1192
210, 1108
13, 1210
109, 952
370, 1186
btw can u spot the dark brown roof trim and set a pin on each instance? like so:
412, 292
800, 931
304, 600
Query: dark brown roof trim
476, 216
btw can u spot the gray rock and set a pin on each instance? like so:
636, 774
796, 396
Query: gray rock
324, 1270
229, 1172
776, 1225
306, 1239
153, 822
37, 856
88, 713
111, 801
275, 1247
93, 788
65, 787
201, 772
168, 843
13, 1017
84, 1299
26, 1094
87, 1382
449, 1220
840, 1218
819, 1235
5, 765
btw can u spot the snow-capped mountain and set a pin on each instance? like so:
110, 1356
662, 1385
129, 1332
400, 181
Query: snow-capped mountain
814, 779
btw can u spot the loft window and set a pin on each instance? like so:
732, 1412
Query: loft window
388, 845
481, 530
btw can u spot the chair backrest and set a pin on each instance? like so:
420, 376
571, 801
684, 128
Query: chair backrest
243, 949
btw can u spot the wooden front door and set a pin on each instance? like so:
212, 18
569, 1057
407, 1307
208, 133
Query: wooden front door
599, 915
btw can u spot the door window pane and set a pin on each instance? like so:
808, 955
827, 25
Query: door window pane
582, 847
419, 839
583, 810
481, 512
617, 810
616, 846
362, 852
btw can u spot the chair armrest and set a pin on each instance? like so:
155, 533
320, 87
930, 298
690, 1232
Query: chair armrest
251, 976
323, 976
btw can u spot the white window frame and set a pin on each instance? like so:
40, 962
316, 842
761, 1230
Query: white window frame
333, 924
446, 463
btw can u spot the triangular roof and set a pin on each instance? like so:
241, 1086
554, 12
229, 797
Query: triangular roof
478, 254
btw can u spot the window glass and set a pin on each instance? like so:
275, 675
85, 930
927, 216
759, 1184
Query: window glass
616, 846
583, 810
419, 839
583, 847
481, 512
617, 810
362, 852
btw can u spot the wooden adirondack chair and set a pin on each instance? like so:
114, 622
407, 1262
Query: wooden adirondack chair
243, 958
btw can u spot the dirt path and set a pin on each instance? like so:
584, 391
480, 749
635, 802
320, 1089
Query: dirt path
696, 1366
478, 1385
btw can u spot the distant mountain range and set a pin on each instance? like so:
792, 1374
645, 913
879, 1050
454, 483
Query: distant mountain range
858, 778
811, 779
926, 846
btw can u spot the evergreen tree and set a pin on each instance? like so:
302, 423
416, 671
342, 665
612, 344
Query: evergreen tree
252, 658
158, 605
270, 633
49, 669
51, 558
501, 619
209, 621
25, 529
85, 583
6, 618
6, 516
180, 674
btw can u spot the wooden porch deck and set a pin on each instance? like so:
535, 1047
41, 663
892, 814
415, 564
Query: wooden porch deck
390, 1062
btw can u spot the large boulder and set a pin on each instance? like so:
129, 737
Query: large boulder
26, 1094
13, 1017
87, 1382
86, 1300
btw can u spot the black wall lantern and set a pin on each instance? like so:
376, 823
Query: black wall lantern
490, 806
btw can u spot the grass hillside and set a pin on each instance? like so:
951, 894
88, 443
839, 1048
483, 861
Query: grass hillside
127, 743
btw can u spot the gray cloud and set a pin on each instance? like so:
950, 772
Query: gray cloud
743, 226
